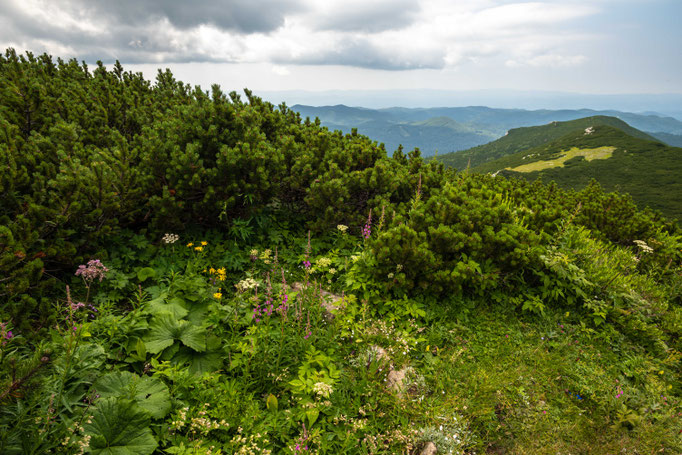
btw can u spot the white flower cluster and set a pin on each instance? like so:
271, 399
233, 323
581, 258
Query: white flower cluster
76, 439
170, 238
643, 246
322, 389
246, 284
342, 227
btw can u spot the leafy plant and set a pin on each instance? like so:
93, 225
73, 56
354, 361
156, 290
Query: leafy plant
119, 426
149, 393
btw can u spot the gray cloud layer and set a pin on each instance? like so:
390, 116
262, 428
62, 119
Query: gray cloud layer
376, 34
370, 16
364, 54
242, 16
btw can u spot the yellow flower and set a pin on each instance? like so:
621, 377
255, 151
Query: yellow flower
211, 270
221, 271
218, 295
204, 243
190, 244
198, 248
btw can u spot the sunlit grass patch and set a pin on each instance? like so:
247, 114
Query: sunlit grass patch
599, 153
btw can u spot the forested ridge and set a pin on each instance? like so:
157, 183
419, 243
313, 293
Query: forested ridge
640, 165
646, 169
519, 139
192, 272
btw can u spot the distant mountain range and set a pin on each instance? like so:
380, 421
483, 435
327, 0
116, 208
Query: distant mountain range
572, 153
451, 129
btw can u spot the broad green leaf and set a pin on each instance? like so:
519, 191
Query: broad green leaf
162, 333
199, 362
145, 273
170, 352
165, 330
151, 394
174, 306
312, 415
271, 403
193, 337
119, 427
140, 349
197, 312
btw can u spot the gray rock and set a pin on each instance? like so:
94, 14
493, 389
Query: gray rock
396, 380
429, 449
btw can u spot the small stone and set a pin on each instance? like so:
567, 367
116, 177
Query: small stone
429, 449
396, 380
380, 353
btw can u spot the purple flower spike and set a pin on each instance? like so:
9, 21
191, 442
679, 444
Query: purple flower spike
367, 230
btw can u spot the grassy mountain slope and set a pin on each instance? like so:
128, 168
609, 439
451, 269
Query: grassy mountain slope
650, 171
520, 139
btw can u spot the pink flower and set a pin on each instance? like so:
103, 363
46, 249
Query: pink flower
94, 270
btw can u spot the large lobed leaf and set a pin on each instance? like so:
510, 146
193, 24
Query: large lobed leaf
120, 427
165, 330
151, 394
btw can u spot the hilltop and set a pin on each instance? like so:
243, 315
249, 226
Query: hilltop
635, 163
519, 139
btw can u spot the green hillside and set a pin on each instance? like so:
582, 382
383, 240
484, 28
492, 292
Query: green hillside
650, 171
195, 272
519, 139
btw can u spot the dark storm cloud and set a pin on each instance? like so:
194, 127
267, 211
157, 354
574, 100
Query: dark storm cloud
363, 54
243, 16
370, 16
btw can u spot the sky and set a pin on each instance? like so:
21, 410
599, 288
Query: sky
580, 46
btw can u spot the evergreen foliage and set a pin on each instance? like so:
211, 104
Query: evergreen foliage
307, 274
